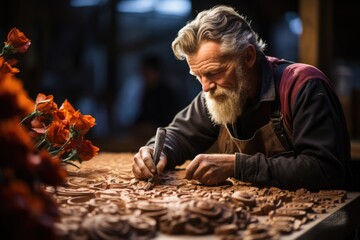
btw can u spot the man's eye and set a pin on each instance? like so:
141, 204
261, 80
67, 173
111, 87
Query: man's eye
214, 73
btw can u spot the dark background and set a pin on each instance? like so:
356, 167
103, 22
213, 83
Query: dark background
89, 54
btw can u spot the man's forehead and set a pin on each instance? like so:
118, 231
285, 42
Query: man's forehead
208, 51
212, 62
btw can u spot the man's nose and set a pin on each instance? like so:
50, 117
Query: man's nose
206, 84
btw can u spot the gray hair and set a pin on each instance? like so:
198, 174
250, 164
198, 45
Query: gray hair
221, 24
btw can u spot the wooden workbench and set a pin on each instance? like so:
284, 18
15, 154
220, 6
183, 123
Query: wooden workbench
102, 198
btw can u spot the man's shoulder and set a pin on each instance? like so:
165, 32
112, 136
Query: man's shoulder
296, 75
302, 71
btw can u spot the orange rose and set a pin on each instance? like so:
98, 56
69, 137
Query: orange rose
45, 104
7, 68
66, 115
66, 105
82, 123
14, 99
86, 150
48, 168
57, 133
62, 115
18, 40
15, 144
38, 126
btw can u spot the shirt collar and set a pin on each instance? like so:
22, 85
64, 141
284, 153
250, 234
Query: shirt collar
267, 91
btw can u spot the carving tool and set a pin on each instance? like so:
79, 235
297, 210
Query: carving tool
159, 144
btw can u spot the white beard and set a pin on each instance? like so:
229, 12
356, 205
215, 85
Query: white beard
226, 105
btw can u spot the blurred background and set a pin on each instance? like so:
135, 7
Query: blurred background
112, 59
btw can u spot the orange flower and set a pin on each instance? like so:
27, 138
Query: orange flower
5, 67
64, 115
14, 99
82, 123
23, 167
57, 133
45, 104
34, 212
26, 201
15, 144
66, 105
48, 168
37, 126
18, 40
86, 150
2, 61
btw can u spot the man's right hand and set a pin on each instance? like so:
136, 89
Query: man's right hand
143, 165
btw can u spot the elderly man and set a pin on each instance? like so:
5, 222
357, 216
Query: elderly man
276, 122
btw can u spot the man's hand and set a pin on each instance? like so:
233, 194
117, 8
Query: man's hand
211, 169
143, 165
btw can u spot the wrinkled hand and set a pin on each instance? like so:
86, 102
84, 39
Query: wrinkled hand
143, 165
211, 169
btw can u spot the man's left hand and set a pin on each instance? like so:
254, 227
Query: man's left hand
211, 169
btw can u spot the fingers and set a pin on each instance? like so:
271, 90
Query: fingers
137, 172
203, 173
143, 165
191, 168
206, 169
208, 179
147, 159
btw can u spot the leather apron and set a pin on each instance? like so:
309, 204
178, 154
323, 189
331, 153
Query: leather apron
264, 140
271, 139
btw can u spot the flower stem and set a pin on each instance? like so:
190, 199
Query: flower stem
28, 116
70, 156
68, 159
40, 143
57, 151
70, 163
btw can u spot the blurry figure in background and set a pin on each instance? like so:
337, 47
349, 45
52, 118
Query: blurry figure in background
156, 95
144, 98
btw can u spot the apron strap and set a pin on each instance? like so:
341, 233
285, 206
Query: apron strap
276, 116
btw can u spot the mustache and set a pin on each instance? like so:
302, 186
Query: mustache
219, 93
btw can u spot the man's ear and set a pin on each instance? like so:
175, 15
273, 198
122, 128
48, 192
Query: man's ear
249, 56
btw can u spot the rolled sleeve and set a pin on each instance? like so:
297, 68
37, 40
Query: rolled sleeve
245, 170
